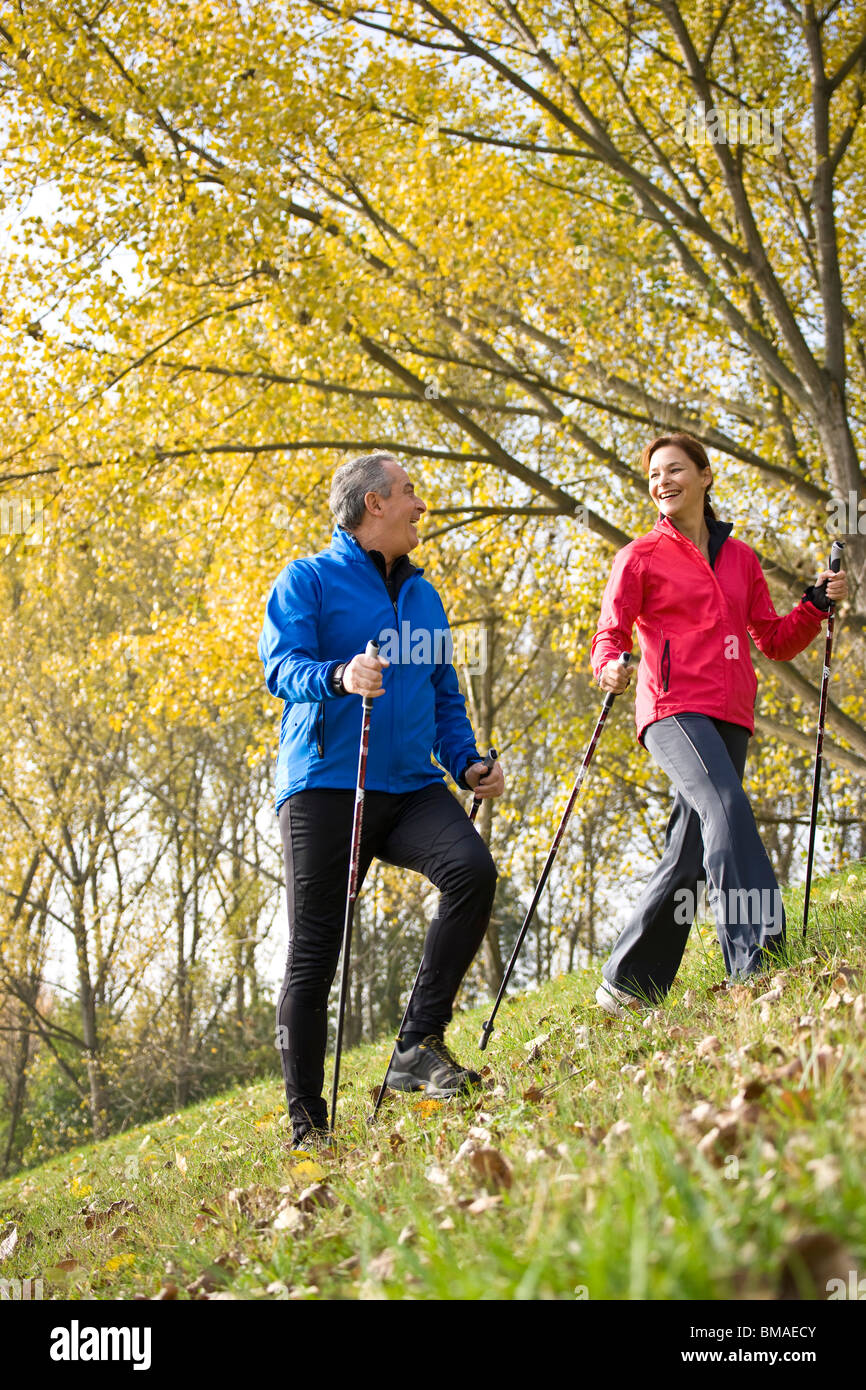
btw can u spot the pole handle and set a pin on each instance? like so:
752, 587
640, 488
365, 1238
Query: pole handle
372, 649
625, 661
834, 564
489, 759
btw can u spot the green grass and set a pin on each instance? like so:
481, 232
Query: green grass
603, 1183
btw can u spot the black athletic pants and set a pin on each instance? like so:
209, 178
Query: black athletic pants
711, 836
425, 830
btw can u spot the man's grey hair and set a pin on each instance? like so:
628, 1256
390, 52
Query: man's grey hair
351, 483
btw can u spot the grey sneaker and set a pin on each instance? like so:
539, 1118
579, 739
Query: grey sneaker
618, 1002
430, 1067
312, 1141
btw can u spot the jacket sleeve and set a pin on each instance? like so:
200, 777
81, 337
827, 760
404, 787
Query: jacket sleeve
289, 643
779, 638
455, 746
620, 606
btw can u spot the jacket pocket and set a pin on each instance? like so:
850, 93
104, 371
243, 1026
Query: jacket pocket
665, 668
318, 728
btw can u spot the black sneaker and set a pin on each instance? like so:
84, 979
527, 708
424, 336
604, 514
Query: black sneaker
429, 1066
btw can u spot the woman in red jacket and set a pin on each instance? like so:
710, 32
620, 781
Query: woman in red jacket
696, 595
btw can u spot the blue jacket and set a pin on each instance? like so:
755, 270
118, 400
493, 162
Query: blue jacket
321, 612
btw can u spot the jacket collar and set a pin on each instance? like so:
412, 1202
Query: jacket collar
344, 544
719, 532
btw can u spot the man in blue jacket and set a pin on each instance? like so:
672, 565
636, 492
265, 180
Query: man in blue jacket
320, 615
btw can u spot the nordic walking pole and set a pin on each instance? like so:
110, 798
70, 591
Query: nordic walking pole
476, 802
835, 563
624, 660
352, 892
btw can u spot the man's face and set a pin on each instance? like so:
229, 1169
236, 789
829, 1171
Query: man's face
400, 513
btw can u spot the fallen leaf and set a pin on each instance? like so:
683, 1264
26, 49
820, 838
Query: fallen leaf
383, 1266
703, 1114
789, 1071
797, 1104
64, 1271
827, 1172
438, 1177
308, 1169
291, 1219
489, 1165
317, 1195
620, 1130
771, 996
707, 1046
180, 1160
8, 1243
533, 1094
739, 993
534, 1049
482, 1204
167, 1292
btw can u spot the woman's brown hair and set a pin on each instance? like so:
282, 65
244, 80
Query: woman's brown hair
696, 452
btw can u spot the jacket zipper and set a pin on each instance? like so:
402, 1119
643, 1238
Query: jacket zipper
666, 665
320, 729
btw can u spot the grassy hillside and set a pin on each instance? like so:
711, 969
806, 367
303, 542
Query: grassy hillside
712, 1151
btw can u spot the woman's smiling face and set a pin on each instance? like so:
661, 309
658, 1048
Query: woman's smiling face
676, 485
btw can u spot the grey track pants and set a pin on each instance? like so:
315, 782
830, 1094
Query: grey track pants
711, 836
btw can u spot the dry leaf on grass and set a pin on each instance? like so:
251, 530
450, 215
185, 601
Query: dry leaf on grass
438, 1177
486, 1163
291, 1219
482, 1204
317, 1195
535, 1047
771, 996
8, 1243
707, 1046
620, 1130
94, 1217
827, 1171
383, 1266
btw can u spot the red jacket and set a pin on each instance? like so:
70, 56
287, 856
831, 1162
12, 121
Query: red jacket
693, 624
